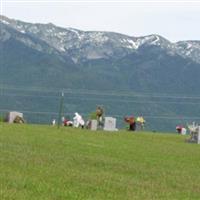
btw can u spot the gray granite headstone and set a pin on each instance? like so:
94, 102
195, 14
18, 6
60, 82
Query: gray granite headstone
93, 125
12, 115
198, 136
110, 124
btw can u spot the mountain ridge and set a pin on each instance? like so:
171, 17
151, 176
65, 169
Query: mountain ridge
99, 44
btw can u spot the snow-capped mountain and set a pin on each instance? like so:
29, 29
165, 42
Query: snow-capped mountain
90, 45
47, 56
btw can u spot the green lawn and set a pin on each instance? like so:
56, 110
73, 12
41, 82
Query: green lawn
42, 162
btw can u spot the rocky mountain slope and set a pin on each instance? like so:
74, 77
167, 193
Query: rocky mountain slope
91, 45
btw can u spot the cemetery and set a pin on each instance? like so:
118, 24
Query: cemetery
44, 162
93, 150
107, 123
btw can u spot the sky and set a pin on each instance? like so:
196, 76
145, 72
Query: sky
175, 20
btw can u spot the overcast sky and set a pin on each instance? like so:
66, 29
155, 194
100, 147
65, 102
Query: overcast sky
174, 20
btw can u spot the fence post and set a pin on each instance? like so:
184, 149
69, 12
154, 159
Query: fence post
60, 109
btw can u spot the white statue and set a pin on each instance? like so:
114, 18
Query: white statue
78, 120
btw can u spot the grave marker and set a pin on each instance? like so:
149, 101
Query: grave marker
110, 124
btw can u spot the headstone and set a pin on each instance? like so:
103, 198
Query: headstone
53, 122
93, 125
198, 137
183, 131
195, 134
12, 115
110, 124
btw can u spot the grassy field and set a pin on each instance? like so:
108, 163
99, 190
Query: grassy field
42, 162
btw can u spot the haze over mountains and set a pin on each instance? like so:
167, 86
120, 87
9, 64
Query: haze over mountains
44, 55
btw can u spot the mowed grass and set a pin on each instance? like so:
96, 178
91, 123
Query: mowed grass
46, 163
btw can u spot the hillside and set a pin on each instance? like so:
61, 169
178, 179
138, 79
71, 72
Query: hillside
48, 57
42, 162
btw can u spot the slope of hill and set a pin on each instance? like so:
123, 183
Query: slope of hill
41, 162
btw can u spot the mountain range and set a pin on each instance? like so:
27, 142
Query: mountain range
48, 57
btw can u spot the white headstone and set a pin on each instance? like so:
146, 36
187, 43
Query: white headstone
183, 131
198, 136
93, 125
53, 122
12, 115
110, 124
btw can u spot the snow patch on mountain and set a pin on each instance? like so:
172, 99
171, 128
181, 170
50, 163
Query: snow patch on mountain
79, 36
3, 21
133, 44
